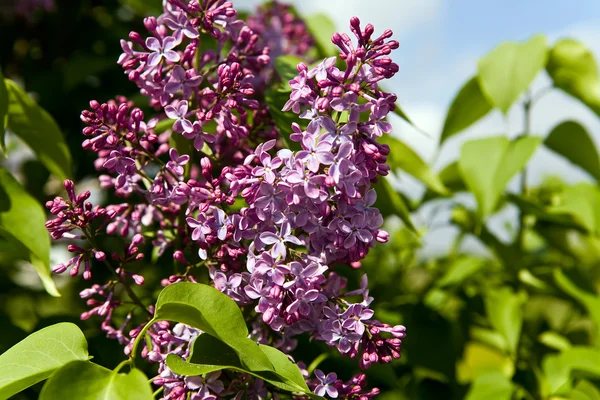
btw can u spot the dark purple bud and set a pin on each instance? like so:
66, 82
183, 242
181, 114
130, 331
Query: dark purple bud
178, 256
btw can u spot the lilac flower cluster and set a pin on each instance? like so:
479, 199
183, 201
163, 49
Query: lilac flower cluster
209, 182
320, 199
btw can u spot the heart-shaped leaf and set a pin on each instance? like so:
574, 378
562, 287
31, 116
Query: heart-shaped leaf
209, 354
206, 308
487, 165
22, 218
37, 356
508, 70
572, 141
468, 107
572, 67
84, 380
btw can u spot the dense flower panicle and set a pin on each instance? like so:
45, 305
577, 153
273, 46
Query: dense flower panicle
209, 182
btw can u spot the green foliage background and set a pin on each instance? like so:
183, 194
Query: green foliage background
520, 323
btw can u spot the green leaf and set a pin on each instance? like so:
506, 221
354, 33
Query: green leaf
572, 67
83, 65
389, 202
585, 390
559, 367
286, 68
509, 69
84, 380
399, 112
505, 311
480, 359
487, 165
285, 368
590, 301
542, 214
3, 111
206, 308
38, 129
460, 270
468, 107
582, 203
142, 7
572, 141
554, 341
321, 27
491, 386
451, 179
276, 97
403, 157
22, 218
210, 354
37, 356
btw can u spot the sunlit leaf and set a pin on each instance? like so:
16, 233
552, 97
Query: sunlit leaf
22, 218
460, 270
286, 68
487, 165
321, 27
508, 70
37, 356
582, 203
572, 67
84, 380
468, 107
504, 309
585, 390
480, 359
491, 386
285, 368
206, 308
558, 368
210, 354
590, 301
554, 340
